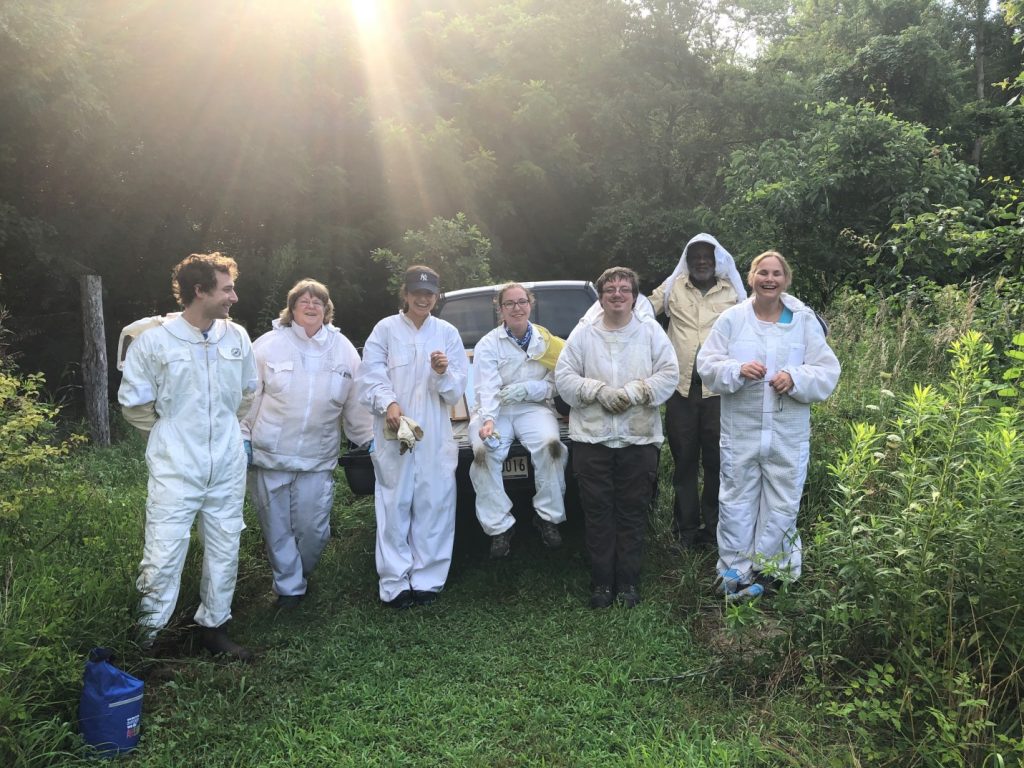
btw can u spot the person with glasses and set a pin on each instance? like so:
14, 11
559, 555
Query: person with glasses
704, 284
414, 370
615, 372
305, 400
769, 360
514, 381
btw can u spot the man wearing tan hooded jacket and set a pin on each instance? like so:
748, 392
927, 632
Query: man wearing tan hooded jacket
704, 284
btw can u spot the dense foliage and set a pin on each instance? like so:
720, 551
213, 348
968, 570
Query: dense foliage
302, 137
879, 143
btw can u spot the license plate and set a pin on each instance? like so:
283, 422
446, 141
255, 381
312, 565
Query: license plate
515, 467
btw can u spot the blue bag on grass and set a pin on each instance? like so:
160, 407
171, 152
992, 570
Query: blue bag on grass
110, 710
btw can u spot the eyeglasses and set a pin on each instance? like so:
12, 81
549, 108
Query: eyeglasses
624, 290
315, 303
517, 303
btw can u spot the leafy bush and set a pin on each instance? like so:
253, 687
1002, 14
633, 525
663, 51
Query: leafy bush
63, 580
27, 432
914, 607
887, 343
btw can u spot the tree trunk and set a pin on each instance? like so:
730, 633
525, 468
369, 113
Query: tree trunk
979, 69
94, 359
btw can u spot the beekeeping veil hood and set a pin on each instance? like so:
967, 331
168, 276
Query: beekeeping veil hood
725, 266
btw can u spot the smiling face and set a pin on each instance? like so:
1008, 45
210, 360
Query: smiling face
700, 263
308, 312
419, 303
617, 299
768, 278
515, 309
216, 304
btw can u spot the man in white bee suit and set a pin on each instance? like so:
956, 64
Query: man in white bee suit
305, 399
414, 368
515, 383
185, 382
615, 372
769, 360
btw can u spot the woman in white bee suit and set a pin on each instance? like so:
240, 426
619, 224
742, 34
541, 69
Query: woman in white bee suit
304, 400
769, 360
515, 383
413, 371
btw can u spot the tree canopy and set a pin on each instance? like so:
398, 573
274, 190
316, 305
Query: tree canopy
516, 139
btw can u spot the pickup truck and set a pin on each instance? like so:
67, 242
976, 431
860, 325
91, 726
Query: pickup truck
559, 306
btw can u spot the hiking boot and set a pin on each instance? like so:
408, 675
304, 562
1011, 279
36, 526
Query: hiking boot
216, 641
401, 601
745, 594
424, 597
629, 596
548, 532
601, 597
501, 544
288, 602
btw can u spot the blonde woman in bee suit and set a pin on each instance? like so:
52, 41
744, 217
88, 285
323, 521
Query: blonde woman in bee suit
305, 399
769, 360
703, 285
185, 382
414, 367
615, 372
515, 384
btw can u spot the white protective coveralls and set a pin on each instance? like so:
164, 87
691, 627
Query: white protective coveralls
305, 398
415, 491
188, 389
765, 440
497, 362
594, 357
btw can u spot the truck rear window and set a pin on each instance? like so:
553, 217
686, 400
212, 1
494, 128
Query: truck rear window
559, 309
472, 315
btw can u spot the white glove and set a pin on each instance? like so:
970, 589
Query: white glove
588, 390
513, 393
639, 392
407, 434
613, 400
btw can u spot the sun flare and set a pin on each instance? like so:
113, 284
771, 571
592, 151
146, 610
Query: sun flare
366, 12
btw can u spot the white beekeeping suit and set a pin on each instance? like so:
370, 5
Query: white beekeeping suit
765, 436
304, 402
415, 491
187, 388
499, 364
595, 357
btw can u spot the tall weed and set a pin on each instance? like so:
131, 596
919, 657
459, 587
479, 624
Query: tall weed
913, 611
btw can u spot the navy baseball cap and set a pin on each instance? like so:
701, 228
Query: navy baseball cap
421, 280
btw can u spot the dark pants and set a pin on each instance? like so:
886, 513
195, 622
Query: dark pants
616, 486
694, 426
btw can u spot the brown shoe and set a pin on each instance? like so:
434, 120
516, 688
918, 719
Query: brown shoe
216, 641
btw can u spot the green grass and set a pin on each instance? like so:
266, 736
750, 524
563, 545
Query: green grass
509, 668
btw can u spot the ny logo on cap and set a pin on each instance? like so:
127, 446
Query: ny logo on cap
424, 278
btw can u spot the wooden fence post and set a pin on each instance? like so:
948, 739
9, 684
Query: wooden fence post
94, 359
